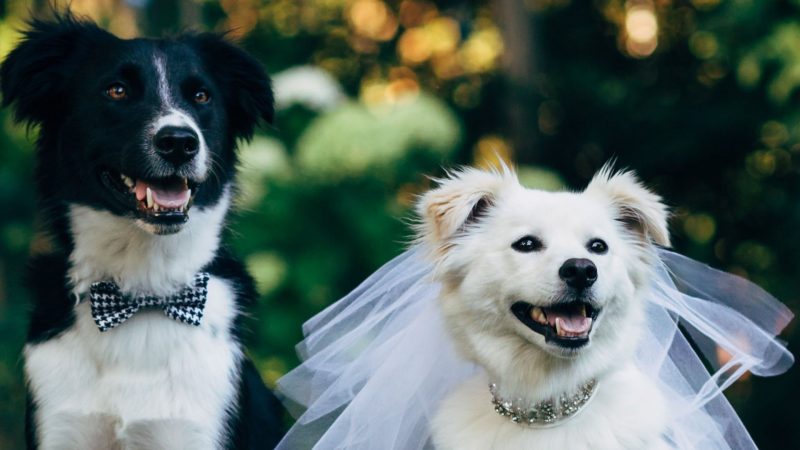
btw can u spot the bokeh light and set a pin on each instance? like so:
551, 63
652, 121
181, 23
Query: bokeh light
641, 29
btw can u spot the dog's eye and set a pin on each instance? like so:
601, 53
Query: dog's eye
202, 97
117, 91
598, 246
527, 244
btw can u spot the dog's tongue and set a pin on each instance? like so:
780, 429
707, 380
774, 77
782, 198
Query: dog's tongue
169, 194
568, 324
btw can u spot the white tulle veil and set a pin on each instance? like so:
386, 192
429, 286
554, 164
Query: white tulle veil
377, 362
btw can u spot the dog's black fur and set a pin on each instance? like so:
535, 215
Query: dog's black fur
55, 80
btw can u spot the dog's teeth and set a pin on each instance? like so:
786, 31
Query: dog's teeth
149, 198
558, 326
156, 208
127, 180
583, 310
538, 315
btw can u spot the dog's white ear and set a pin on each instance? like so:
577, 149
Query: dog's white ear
638, 208
459, 201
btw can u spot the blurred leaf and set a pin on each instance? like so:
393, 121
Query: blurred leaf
354, 140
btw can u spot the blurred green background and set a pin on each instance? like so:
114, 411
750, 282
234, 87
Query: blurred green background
700, 97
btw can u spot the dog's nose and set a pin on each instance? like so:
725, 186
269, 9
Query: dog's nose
579, 273
176, 145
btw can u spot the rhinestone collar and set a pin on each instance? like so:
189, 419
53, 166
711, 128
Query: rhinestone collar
545, 413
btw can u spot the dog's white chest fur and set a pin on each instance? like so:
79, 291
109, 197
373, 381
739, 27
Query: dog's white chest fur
150, 368
151, 382
627, 412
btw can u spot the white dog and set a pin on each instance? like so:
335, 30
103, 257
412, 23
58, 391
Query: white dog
546, 291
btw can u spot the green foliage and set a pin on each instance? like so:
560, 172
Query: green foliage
355, 139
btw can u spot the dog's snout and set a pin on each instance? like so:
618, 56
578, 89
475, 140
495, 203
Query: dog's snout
176, 145
579, 273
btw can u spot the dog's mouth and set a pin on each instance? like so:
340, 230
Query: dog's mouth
161, 201
564, 324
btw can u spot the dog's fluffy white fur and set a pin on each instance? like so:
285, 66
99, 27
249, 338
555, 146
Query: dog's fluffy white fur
470, 222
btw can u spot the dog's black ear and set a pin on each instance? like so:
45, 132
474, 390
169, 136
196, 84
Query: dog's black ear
460, 201
640, 210
243, 80
32, 77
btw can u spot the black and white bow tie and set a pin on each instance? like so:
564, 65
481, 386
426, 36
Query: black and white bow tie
110, 307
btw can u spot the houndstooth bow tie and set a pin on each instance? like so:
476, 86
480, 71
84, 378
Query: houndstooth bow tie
110, 307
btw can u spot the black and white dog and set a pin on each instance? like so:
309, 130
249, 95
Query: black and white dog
136, 160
